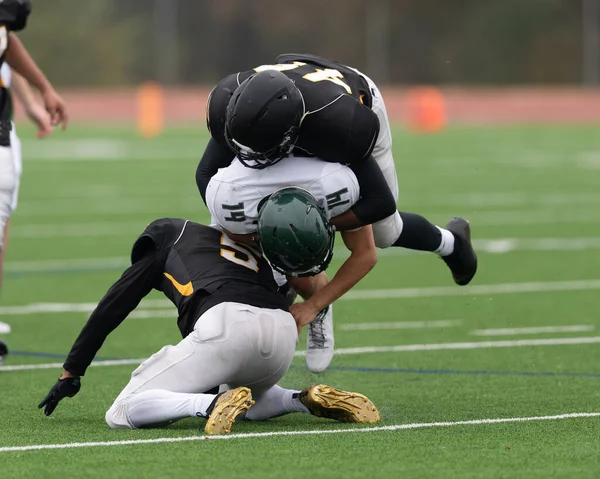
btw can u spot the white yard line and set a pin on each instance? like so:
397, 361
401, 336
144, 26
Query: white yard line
491, 246
111, 362
314, 432
400, 325
458, 346
403, 348
401, 293
537, 330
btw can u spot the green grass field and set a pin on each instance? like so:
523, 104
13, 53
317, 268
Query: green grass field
520, 343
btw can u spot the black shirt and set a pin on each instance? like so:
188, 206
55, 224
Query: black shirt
339, 125
195, 266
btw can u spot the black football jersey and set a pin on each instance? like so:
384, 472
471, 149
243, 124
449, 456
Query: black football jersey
13, 17
339, 125
203, 267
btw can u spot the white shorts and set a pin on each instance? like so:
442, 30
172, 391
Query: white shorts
386, 231
232, 343
8, 181
15, 144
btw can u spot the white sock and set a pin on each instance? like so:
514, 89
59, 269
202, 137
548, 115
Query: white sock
158, 407
277, 401
447, 245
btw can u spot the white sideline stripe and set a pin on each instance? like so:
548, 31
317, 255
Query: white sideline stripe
110, 362
53, 308
538, 330
429, 292
129, 228
456, 346
365, 350
314, 432
400, 325
151, 314
492, 246
482, 289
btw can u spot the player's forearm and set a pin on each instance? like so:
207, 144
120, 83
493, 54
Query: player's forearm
350, 273
20, 61
346, 221
376, 199
23, 91
122, 298
363, 257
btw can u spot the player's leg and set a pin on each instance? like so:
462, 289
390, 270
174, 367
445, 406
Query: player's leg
319, 338
169, 385
320, 400
413, 231
7, 186
17, 168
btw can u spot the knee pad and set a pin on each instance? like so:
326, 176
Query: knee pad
116, 416
387, 231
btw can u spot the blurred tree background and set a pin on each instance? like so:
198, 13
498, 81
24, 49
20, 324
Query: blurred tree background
124, 42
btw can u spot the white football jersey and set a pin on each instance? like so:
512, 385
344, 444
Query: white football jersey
234, 193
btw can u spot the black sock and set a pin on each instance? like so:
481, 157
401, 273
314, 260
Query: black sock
418, 233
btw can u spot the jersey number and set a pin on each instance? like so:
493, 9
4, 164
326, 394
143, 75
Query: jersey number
229, 253
328, 74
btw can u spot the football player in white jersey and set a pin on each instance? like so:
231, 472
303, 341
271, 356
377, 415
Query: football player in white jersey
18, 88
233, 196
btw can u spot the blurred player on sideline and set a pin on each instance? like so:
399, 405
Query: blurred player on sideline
18, 88
13, 18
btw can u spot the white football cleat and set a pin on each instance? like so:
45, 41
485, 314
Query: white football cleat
319, 341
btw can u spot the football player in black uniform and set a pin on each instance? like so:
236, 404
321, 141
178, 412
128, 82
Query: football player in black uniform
235, 325
314, 106
13, 18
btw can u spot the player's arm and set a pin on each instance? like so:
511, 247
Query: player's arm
122, 298
20, 61
215, 156
363, 257
35, 110
376, 199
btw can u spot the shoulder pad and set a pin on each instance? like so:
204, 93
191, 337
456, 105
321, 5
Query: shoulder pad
158, 235
344, 132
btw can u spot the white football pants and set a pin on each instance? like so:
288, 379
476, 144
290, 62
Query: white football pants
388, 230
15, 145
8, 183
232, 344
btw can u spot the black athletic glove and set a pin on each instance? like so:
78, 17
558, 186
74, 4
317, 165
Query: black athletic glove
63, 388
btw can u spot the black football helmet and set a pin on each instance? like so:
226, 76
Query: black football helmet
263, 119
294, 233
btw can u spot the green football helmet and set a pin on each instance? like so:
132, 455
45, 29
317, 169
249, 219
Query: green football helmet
294, 232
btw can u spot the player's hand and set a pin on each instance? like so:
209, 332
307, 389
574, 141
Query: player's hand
63, 388
303, 313
56, 107
38, 115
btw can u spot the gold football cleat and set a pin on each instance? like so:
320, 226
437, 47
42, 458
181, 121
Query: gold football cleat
343, 406
228, 406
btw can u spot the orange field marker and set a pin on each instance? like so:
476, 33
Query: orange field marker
150, 110
426, 110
